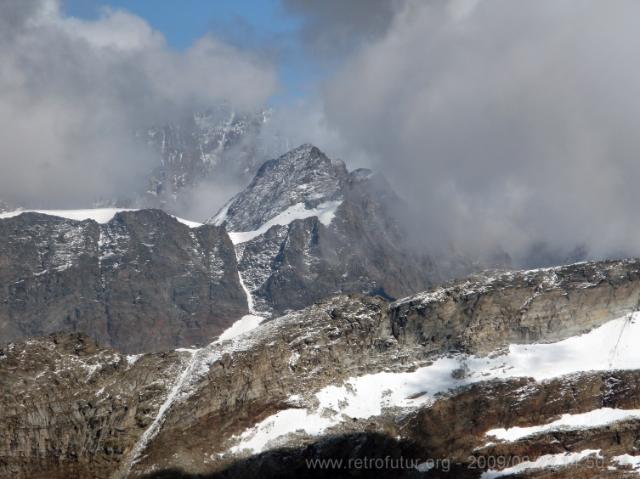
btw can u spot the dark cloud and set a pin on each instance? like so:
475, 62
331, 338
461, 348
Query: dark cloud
73, 92
505, 123
332, 27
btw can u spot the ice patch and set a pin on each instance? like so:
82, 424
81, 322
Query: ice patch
592, 419
324, 211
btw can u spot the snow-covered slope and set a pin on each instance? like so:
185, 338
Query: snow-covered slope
613, 346
325, 212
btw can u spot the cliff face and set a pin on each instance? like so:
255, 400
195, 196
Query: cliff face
140, 282
553, 352
482, 313
72, 409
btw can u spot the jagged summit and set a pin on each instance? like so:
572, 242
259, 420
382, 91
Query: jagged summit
304, 175
306, 227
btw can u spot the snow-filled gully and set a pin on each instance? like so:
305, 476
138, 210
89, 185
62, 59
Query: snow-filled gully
197, 364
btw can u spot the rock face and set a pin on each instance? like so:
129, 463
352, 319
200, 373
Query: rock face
479, 314
72, 409
306, 228
354, 377
141, 282
213, 144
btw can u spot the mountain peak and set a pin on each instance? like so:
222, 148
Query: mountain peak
304, 175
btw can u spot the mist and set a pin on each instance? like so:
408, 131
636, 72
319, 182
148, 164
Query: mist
509, 126
73, 92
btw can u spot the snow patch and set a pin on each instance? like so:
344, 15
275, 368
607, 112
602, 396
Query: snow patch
133, 358
627, 460
243, 325
99, 215
588, 420
266, 433
221, 216
324, 211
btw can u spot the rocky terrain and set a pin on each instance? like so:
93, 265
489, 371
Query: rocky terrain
532, 373
303, 229
140, 281
306, 227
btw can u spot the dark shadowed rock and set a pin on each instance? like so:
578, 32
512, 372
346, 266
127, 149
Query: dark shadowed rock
141, 282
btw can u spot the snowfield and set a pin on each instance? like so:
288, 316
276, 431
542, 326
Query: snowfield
610, 346
324, 211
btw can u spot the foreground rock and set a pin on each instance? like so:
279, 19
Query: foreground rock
357, 378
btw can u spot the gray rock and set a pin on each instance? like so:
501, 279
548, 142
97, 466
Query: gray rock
227, 387
361, 248
141, 282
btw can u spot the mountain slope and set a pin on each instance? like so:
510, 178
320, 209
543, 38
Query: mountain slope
140, 281
354, 377
306, 228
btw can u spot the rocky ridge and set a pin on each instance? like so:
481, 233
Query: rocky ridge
355, 376
138, 271
318, 230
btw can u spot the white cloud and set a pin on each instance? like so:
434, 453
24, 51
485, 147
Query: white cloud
72, 92
505, 122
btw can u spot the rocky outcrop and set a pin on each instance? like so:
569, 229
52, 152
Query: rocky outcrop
482, 313
141, 282
72, 409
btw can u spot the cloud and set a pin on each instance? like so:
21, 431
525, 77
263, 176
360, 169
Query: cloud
333, 27
508, 124
72, 92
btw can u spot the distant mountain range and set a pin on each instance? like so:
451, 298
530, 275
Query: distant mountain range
218, 146
305, 228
